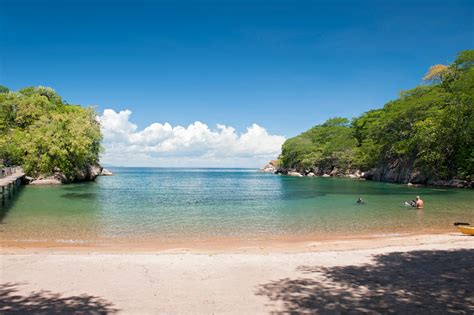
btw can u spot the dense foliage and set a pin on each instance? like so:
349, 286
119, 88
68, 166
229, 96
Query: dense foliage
39, 131
430, 128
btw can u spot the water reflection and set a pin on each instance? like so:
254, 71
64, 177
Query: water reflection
79, 195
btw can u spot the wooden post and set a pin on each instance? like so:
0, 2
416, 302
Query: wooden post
3, 195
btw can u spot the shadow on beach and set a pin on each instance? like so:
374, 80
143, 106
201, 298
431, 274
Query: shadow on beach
46, 302
405, 283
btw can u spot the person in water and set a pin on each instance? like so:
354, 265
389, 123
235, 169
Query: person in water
419, 204
360, 201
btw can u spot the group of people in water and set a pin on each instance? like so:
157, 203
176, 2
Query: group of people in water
417, 203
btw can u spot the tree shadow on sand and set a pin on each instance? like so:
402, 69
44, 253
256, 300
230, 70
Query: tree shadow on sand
417, 282
46, 302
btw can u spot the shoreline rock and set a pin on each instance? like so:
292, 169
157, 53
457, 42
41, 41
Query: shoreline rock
395, 172
291, 173
271, 167
51, 180
88, 173
106, 172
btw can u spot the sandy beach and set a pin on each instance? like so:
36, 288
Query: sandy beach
401, 274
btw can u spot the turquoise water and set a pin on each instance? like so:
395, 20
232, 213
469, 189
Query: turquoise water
154, 203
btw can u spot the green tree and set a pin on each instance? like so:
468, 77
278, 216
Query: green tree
45, 135
429, 128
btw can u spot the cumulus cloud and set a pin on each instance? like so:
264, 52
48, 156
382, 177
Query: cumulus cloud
196, 145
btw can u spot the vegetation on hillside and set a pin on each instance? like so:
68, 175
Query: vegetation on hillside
44, 134
430, 128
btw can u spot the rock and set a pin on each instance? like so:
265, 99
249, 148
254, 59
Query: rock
334, 172
401, 171
417, 177
268, 169
106, 172
292, 173
88, 173
457, 183
51, 180
271, 167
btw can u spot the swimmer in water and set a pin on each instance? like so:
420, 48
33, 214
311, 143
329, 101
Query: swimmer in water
419, 204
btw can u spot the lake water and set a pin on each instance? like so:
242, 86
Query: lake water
148, 204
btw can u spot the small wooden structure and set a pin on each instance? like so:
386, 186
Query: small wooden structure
10, 180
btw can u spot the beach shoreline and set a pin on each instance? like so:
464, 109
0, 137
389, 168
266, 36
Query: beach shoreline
287, 244
378, 275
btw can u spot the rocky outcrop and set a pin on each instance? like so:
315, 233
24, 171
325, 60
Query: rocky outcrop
319, 172
47, 180
88, 173
106, 172
456, 183
271, 167
395, 172
292, 173
404, 173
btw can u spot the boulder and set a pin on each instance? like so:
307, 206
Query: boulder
326, 175
106, 172
88, 173
457, 183
268, 169
271, 167
50, 180
293, 173
334, 172
417, 177
310, 174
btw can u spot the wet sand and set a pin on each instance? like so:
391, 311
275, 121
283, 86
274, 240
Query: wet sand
408, 273
275, 243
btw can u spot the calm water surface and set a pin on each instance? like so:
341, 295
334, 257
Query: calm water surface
153, 203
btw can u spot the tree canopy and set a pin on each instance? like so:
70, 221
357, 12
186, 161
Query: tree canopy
430, 127
39, 131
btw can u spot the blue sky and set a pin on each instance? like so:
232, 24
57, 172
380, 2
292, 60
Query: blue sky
285, 65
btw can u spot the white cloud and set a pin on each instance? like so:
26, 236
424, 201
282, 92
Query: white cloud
196, 145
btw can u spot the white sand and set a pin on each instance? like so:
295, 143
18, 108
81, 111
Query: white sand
178, 282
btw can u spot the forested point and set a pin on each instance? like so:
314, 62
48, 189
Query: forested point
45, 135
427, 133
